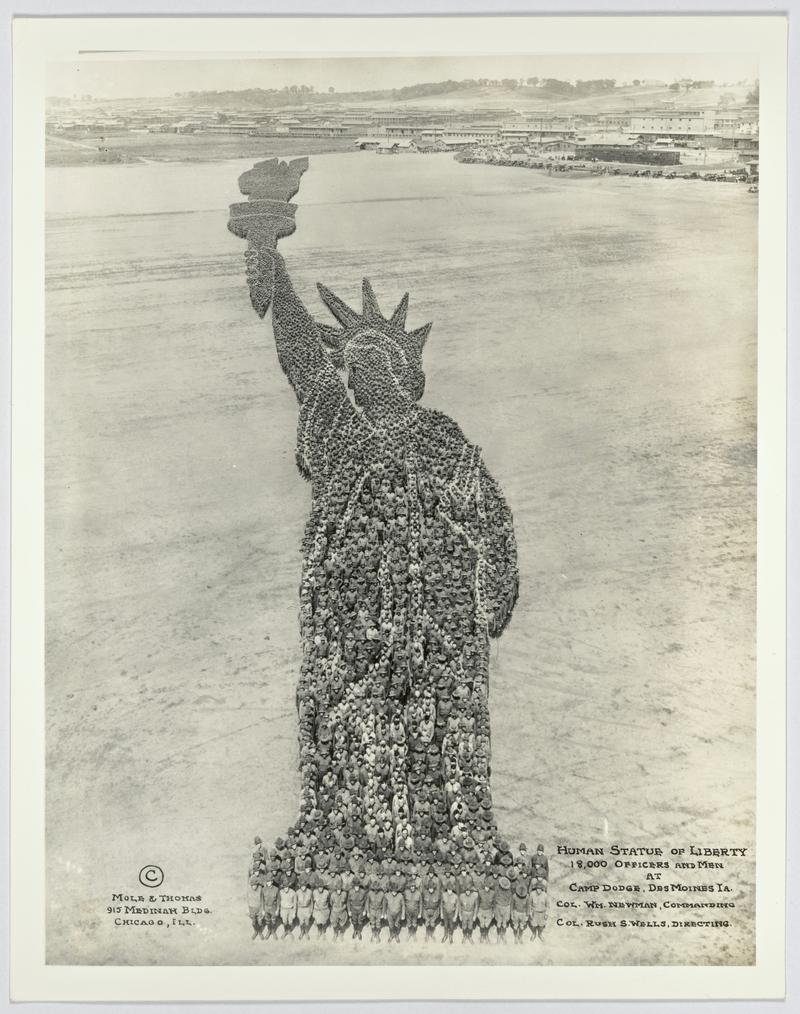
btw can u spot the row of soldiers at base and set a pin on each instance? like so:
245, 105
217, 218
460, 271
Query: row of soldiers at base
511, 895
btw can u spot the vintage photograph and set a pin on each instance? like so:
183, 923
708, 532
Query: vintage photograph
400, 517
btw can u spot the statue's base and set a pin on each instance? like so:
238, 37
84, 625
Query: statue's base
357, 896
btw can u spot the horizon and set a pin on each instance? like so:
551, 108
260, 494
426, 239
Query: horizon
113, 77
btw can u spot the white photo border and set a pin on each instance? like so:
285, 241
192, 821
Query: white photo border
36, 42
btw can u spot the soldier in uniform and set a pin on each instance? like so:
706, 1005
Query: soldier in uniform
431, 906
468, 908
255, 902
538, 910
449, 910
486, 891
259, 859
412, 898
520, 903
541, 864
322, 908
305, 907
525, 860
272, 909
338, 908
357, 907
502, 906
288, 899
322, 862
376, 907
395, 910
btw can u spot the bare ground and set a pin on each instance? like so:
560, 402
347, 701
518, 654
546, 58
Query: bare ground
96, 150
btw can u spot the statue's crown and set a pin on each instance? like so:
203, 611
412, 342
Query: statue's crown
354, 324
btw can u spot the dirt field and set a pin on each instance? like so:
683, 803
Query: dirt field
182, 148
595, 336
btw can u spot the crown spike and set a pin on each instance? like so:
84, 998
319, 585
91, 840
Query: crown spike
371, 310
418, 338
398, 318
340, 310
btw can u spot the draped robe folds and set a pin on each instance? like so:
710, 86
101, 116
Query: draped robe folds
409, 568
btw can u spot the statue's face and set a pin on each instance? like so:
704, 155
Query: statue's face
370, 376
378, 372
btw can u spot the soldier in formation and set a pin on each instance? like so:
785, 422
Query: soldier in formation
409, 569
344, 888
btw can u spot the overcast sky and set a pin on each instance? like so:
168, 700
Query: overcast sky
138, 75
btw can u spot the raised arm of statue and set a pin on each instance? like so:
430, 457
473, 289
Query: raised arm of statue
300, 351
264, 218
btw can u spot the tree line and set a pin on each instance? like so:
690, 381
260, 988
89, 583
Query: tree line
544, 86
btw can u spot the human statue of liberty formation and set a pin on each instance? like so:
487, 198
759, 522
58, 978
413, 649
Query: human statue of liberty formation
409, 569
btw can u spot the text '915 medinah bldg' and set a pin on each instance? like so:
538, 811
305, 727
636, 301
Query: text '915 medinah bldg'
409, 569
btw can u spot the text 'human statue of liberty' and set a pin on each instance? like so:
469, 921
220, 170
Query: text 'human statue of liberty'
409, 568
